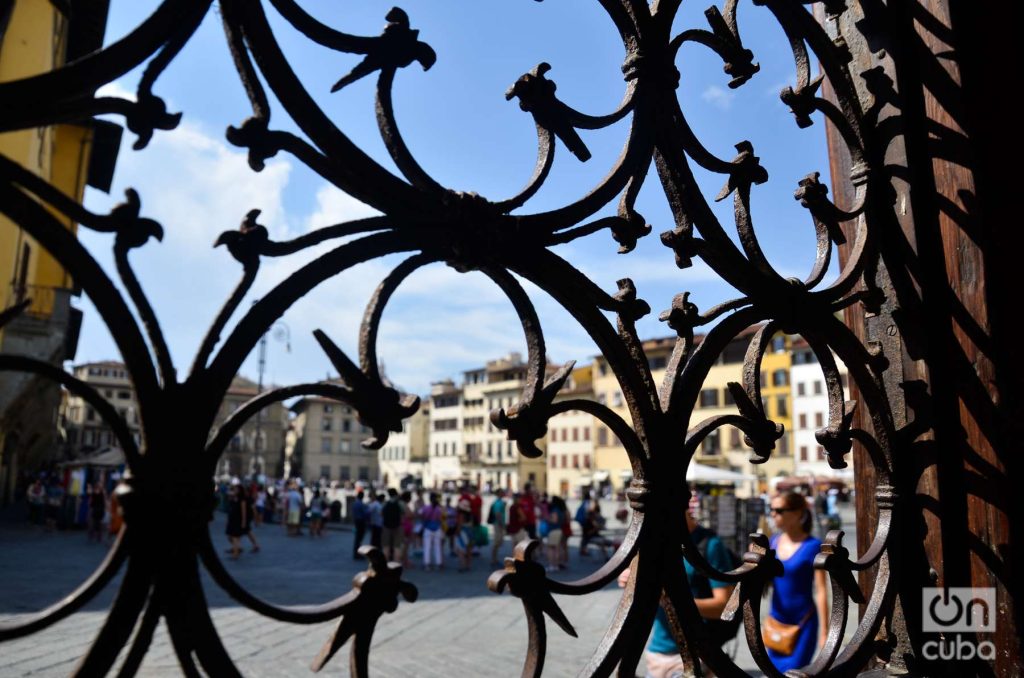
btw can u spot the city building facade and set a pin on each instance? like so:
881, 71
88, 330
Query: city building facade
404, 458
326, 443
36, 37
810, 412
445, 417
570, 440
85, 430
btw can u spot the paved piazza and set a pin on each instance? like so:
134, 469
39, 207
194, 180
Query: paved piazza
456, 628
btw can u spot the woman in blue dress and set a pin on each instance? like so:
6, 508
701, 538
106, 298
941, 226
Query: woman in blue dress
799, 596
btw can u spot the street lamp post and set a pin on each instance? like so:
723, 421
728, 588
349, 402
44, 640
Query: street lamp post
280, 332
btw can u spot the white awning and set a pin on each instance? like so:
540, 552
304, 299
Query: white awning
601, 476
703, 472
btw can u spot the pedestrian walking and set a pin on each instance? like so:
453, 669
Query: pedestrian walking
293, 510
450, 523
552, 526
409, 521
54, 503
528, 504
581, 517
391, 520
593, 523
710, 595
97, 499
376, 520
236, 517
466, 534
249, 519
792, 631
316, 514
497, 520
36, 497
360, 519
431, 517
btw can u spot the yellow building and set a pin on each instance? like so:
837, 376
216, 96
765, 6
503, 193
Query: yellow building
570, 439
724, 447
36, 37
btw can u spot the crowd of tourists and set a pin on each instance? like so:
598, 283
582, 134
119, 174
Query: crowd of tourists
434, 530
453, 527
75, 499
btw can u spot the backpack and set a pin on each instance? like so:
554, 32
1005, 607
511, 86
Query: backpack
391, 514
720, 630
581, 513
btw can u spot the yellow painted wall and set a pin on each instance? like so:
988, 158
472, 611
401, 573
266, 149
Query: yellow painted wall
35, 43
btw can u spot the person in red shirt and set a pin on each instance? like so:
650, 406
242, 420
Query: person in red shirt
476, 505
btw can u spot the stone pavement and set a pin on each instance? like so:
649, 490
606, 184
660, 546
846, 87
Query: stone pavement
456, 628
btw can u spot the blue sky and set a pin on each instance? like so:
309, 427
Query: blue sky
458, 124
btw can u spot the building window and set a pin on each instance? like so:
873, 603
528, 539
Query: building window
780, 378
345, 473
817, 387
328, 409
346, 425
90, 414
778, 344
325, 472
124, 395
565, 460
711, 444
803, 453
602, 436
784, 446
781, 406
325, 445
325, 424
764, 379
575, 461
364, 473
803, 421
821, 453
819, 419
602, 398
727, 397
617, 399
575, 433
345, 446
800, 390
586, 433
709, 397
734, 438
586, 461
658, 362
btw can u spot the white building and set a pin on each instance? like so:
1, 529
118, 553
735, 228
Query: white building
404, 458
445, 441
810, 410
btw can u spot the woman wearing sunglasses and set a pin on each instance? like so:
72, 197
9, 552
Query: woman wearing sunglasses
797, 620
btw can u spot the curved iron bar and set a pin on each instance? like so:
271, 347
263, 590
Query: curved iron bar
439, 224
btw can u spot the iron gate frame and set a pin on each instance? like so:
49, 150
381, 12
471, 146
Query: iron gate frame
471, 233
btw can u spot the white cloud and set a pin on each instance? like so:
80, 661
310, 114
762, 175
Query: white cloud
718, 97
334, 206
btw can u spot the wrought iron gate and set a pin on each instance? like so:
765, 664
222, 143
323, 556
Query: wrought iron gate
499, 238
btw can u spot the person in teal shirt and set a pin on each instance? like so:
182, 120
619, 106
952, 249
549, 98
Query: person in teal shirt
711, 596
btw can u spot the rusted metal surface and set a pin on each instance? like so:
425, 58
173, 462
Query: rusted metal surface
434, 223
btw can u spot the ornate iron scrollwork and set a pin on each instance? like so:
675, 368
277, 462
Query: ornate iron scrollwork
434, 223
